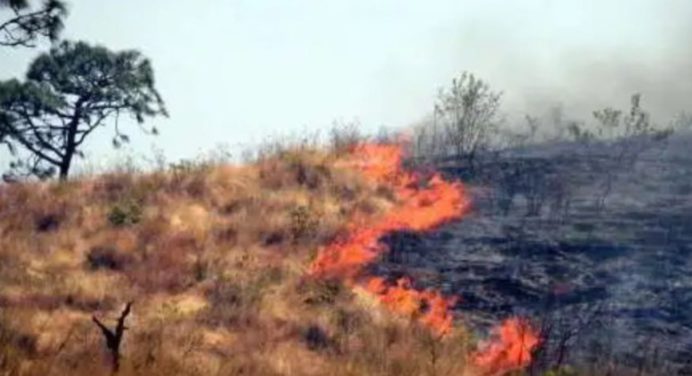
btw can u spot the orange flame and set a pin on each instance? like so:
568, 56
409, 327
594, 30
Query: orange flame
419, 209
510, 350
429, 307
421, 206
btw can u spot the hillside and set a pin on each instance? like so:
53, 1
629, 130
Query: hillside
216, 260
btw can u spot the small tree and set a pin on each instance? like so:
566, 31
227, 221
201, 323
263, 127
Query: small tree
68, 93
468, 113
622, 136
26, 25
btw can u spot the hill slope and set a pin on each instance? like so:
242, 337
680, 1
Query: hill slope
214, 259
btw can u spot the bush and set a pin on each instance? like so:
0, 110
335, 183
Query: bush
127, 212
303, 223
319, 292
344, 136
465, 117
106, 257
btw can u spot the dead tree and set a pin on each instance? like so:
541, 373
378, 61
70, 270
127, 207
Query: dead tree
114, 337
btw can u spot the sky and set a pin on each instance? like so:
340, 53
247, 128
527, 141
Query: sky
235, 72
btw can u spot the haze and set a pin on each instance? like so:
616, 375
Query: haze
236, 72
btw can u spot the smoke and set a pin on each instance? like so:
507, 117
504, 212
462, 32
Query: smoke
580, 56
586, 83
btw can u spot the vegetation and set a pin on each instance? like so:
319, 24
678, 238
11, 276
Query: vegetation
26, 26
625, 134
466, 131
215, 266
465, 118
70, 92
209, 259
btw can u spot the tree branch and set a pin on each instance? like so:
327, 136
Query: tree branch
45, 22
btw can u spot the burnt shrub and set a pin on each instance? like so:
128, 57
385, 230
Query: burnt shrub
106, 257
316, 339
48, 222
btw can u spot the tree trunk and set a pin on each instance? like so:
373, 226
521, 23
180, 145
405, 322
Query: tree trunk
71, 144
65, 166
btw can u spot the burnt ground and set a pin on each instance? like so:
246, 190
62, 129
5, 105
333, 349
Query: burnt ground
598, 253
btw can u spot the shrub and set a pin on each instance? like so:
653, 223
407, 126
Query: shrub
344, 136
127, 212
48, 222
303, 222
105, 257
319, 292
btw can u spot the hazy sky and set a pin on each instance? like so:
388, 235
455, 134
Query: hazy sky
237, 71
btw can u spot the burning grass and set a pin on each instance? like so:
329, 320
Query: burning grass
255, 269
420, 205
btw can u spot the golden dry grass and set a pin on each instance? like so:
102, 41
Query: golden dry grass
214, 258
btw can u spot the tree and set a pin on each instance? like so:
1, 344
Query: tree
114, 337
468, 112
27, 25
68, 93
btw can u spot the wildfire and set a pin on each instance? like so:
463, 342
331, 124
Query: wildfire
510, 350
422, 205
429, 307
420, 208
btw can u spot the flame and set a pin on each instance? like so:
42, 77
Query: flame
421, 205
429, 307
419, 209
510, 350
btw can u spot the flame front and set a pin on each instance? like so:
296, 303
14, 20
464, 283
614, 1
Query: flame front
421, 205
510, 350
418, 209
430, 307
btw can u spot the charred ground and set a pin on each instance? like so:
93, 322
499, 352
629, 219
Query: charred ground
604, 270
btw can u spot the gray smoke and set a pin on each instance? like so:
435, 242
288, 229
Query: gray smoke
600, 60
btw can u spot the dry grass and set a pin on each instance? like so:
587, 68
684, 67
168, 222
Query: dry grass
214, 258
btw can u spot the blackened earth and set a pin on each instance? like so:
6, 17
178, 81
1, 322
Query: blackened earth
596, 251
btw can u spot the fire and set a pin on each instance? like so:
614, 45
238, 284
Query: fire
510, 350
419, 209
429, 307
421, 205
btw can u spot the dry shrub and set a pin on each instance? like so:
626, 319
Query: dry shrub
294, 167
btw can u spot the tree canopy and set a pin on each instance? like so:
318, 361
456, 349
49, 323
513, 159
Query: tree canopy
26, 25
68, 93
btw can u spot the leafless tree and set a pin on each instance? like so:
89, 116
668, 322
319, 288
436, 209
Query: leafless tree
114, 337
468, 113
464, 118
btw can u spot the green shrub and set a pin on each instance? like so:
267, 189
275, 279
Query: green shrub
124, 213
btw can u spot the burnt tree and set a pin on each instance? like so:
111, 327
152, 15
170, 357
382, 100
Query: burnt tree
114, 337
